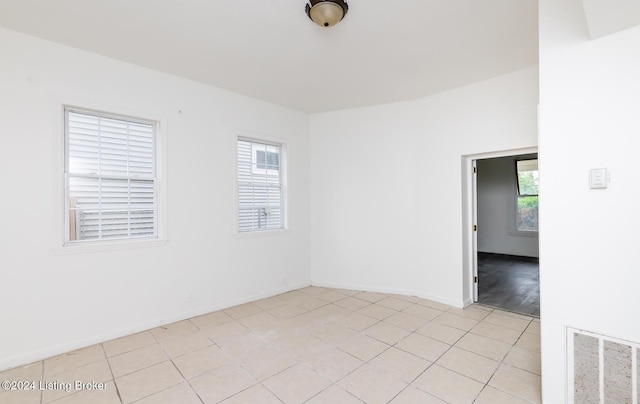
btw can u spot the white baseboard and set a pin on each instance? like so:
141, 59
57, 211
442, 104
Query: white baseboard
405, 292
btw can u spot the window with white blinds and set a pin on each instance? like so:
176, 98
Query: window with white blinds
110, 173
260, 190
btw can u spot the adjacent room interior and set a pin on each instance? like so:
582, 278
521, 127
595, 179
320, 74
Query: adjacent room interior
229, 201
507, 234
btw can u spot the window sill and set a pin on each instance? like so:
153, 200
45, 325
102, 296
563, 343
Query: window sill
82, 248
524, 233
261, 233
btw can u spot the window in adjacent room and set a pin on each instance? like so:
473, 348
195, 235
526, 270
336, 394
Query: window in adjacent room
527, 201
110, 177
260, 185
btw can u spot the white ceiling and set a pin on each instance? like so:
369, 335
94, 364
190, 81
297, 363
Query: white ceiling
383, 51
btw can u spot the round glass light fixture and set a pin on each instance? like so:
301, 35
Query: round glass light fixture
326, 13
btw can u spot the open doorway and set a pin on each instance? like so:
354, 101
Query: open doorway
507, 233
500, 230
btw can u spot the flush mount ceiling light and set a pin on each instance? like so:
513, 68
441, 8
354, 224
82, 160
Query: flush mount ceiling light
326, 13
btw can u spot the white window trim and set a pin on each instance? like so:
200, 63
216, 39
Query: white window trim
61, 246
284, 175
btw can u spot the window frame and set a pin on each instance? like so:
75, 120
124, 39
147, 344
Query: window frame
66, 246
519, 195
283, 175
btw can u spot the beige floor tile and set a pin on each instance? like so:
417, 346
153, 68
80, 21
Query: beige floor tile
517, 382
334, 333
269, 303
291, 296
243, 349
377, 312
492, 395
107, 396
201, 361
269, 362
334, 395
211, 319
507, 321
524, 359
484, 346
331, 297
474, 312
243, 310
387, 333
226, 331
448, 385
512, 314
20, 396
222, 383
31, 372
296, 384
310, 303
406, 321
313, 290
424, 347
372, 385
469, 364
363, 347
184, 327
133, 361
530, 342
411, 395
459, 322
394, 303
98, 372
260, 322
347, 292
183, 344
352, 303
287, 311
424, 312
370, 297
72, 360
441, 332
496, 332
331, 312
333, 363
255, 394
129, 343
533, 328
356, 321
180, 393
400, 365
433, 305
146, 382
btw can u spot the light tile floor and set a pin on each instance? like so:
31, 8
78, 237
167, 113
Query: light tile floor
313, 345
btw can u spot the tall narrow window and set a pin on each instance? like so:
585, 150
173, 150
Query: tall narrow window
260, 190
528, 183
110, 173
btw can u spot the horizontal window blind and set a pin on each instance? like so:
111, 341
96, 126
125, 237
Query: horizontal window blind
111, 183
259, 186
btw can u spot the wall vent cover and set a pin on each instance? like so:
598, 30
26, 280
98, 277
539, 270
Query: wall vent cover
602, 369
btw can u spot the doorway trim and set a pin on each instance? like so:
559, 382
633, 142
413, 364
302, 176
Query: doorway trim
469, 219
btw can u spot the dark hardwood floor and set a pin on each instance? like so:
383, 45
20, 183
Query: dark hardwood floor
509, 282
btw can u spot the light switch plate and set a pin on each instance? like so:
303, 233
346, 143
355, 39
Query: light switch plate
598, 178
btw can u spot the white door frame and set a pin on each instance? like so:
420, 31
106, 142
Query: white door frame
469, 218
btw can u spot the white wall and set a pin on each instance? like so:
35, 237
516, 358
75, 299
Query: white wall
55, 302
497, 194
589, 118
386, 195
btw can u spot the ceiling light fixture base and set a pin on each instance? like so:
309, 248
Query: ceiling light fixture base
326, 13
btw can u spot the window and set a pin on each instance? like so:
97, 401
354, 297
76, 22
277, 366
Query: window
260, 190
110, 175
527, 201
